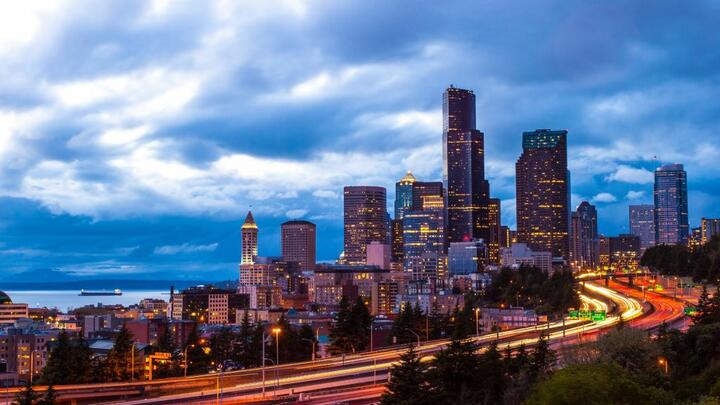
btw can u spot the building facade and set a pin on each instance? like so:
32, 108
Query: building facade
365, 221
671, 205
467, 257
424, 243
249, 236
298, 243
543, 192
584, 237
709, 227
11, 312
519, 254
642, 224
468, 192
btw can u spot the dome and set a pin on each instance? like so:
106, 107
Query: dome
408, 178
4, 298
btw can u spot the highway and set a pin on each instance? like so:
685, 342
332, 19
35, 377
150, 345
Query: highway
363, 369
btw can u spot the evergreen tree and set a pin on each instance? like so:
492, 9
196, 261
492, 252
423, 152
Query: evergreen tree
252, 355
50, 397
117, 366
708, 309
166, 344
492, 375
542, 359
26, 396
341, 334
407, 384
60, 362
82, 370
221, 346
455, 375
198, 361
361, 321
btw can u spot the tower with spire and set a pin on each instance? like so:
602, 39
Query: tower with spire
249, 233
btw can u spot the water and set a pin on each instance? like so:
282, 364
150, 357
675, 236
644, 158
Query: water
67, 299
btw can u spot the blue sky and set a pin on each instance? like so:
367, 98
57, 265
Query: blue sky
135, 135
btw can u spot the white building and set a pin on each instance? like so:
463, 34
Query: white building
520, 254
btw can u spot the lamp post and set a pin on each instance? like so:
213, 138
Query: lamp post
663, 362
185, 357
276, 331
313, 345
416, 335
477, 322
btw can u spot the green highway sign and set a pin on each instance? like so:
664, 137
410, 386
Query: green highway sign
690, 310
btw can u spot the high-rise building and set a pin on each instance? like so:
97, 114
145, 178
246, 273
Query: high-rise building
378, 254
642, 224
249, 233
404, 195
396, 240
424, 243
506, 237
709, 227
584, 236
493, 243
365, 220
464, 169
543, 192
424, 191
671, 205
298, 240
467, 257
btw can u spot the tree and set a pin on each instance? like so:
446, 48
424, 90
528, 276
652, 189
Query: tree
26, 396
59, 364
631, 349
407, 384
708, 308
221, 346
342, 333
117, 366
595, 384
361, 321
455, 375
492, 374
542, 359
198, 361
50, 397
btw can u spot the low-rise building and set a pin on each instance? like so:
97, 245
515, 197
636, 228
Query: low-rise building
11, 312
519, 254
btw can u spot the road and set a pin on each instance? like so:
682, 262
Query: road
363, 370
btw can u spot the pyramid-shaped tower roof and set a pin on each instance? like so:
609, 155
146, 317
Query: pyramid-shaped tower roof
249, 222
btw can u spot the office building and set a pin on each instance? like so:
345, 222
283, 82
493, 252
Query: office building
384, 298
642, 224
365, 221
378, 254
671, 205
207, 304
424, 243
619, 253
11, 312
464, 169
543, 193
493, 244
584, 237
249, 234
396, 240
467, 257
519, 254
404, 195
709, 227
298, 241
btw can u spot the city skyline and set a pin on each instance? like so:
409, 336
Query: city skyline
119, 165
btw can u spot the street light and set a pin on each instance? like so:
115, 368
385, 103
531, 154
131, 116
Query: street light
416, 335
477, 322
312, 341
185, 357
663, 362
276, 331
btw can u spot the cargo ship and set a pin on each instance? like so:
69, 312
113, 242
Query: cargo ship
99, 293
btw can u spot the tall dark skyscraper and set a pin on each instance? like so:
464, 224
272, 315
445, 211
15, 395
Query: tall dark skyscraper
671, 205
584, 237
543, 192
464, 169
365, 220
298, 243
642, 224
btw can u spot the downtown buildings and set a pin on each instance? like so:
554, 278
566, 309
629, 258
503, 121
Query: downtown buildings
365, 221
671, 205
584, 237
543, 193
642, 224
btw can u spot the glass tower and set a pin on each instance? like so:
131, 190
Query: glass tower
671, 205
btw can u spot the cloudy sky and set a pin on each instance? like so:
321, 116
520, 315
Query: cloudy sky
134, 136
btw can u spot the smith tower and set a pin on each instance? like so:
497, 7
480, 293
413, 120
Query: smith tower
464, 169
249, 233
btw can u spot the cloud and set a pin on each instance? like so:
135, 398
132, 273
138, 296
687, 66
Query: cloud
184, 249
632, 175
604, 198
296, 213
325, 194
634, 195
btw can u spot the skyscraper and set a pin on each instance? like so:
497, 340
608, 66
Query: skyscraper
249, 233
584, 236
424, 243
493, 244
365, 220
464, 169
671, 205
404, 195
298, 243
642, 224
709, 227
543, 192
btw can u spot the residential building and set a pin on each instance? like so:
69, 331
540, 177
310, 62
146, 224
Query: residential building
10, 312
207, 304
